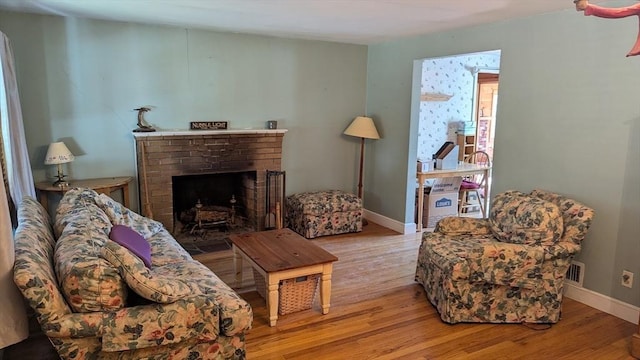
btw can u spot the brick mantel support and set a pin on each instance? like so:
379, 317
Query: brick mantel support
161, 155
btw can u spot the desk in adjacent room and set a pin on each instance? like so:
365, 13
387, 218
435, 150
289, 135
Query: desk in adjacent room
463, 169
102, 185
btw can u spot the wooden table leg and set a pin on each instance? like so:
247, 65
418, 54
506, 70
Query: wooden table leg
237, 265
486, 194
43, 196
273, 284
125, 196
325, 288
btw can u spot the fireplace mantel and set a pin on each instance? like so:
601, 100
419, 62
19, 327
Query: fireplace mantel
161, 155
207, 132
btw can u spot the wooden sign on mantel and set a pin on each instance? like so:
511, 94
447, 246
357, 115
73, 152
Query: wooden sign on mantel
208, 125
434, 97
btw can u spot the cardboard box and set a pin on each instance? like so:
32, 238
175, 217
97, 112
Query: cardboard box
440, 200
446, 185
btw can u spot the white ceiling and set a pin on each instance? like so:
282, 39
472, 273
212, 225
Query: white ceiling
348, 21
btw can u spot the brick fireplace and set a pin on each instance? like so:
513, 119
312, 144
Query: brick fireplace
162, 156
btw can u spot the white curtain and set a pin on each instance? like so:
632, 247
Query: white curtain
14, 326
13, 318
19, 176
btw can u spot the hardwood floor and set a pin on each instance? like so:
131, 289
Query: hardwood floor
379, 312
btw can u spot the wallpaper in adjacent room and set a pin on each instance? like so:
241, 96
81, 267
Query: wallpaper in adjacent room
439, 120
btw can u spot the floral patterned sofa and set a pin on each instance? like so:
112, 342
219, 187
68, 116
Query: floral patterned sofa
322, 213
95, 299
509, 268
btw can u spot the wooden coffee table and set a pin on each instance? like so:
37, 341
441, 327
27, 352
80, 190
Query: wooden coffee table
282, 254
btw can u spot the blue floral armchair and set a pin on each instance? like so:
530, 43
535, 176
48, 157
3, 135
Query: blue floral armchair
509, 268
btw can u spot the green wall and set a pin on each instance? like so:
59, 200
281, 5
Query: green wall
568, 120
81, 79
568, 115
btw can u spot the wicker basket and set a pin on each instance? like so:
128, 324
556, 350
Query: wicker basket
294, 294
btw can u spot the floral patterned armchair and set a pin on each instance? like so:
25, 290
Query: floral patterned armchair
509, 268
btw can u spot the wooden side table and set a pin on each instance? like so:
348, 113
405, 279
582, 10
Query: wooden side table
102, 185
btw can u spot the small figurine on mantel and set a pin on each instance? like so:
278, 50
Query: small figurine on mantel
142, 124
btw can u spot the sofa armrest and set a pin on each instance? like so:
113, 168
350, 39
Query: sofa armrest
506, 264
562, 250
74, 325
160, 324
455, 225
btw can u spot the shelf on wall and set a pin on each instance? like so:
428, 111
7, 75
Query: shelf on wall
434, 97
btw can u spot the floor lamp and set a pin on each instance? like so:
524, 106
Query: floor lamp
364, 128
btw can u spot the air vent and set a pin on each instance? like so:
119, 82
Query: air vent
575, 274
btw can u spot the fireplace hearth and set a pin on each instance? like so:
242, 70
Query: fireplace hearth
167, 158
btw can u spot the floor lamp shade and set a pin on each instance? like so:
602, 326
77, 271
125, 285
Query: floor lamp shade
364, 128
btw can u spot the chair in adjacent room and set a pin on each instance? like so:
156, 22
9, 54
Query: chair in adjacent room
472, 186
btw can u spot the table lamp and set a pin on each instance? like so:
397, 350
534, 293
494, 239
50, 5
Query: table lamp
58, 154
364, 128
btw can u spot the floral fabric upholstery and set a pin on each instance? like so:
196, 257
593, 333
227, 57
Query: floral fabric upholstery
314, 214
469, 275
462, 226
88, 282
148, 283
521, 219
208, 322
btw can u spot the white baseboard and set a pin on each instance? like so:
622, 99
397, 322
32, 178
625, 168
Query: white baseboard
389, 223
604, 303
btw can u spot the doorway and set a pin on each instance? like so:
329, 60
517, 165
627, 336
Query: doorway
486, 105
458, 97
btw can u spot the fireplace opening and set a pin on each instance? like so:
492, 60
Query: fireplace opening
209, 207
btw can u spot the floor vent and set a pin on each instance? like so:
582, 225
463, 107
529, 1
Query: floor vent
575, 274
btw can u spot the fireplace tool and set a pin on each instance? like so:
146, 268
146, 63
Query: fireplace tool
274, 199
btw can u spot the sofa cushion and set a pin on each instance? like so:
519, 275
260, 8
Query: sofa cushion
76, 202
88, 282
455, 225
148, 327
576, 216
133, 241
482, 259
522, 219
164, 248
150, 284
120, 215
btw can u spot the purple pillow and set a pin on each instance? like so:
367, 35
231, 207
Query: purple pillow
130, 239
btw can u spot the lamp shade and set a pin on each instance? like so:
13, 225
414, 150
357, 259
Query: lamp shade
362, 127
58, 153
